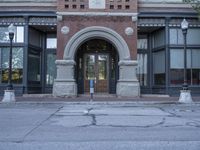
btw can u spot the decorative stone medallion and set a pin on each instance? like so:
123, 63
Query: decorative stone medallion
129, 31
65, 30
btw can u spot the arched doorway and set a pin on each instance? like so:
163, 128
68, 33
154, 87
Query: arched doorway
65, 84
97, 59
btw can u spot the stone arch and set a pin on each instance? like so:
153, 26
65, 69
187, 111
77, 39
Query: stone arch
96, 32
65, 85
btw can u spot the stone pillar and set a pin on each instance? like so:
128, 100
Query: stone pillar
65, 84
128, 85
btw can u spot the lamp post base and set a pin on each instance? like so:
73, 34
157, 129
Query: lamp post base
185, 96
9, 96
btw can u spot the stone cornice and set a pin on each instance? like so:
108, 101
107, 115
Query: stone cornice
96, 14
65, 62
28, 4
128, 62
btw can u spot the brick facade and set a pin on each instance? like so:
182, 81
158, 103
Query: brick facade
79, 22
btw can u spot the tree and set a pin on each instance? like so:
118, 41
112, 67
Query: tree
195, 4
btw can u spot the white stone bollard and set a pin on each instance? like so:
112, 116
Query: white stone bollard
9, 96
185, 96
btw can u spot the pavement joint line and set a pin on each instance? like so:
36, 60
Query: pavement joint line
37, 126
103, 103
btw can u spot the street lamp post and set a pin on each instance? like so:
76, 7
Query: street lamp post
185, 96
9, 94
11, 31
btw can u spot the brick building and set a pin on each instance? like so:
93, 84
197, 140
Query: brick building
127, 47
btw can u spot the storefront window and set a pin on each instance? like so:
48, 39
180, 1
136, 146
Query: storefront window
18, 38
193, 36
177, 66
159, 67
17, 65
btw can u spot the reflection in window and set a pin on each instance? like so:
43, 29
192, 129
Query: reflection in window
102, 66
142, 43
142, 69
158, 38
176, 36
18, 37
35, 37
34, 66
51, 43
51, 68
17, 65
90, 67
177, 66
159, 67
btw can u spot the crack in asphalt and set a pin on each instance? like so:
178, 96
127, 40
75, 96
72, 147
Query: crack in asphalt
37, 126
161, 123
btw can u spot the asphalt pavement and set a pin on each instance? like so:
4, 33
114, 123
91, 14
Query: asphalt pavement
49, 123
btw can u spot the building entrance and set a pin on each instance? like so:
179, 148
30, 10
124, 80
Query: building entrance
97, 60
96, 68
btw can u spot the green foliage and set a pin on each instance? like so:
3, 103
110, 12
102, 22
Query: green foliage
194, 3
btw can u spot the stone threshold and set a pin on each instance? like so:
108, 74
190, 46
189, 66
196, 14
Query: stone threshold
98, 95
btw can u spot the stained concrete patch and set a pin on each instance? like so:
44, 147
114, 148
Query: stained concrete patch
72, 121
173, 122
135, 111
131, 121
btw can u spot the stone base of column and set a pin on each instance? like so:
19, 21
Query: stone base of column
64, 88
9, 96
128, 89
185, 96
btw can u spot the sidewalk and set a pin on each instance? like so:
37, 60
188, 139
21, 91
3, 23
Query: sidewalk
148, 99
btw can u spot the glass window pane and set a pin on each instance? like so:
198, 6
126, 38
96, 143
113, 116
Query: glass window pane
177, 66
4, 34
35, 37
19, 35
193, 36
17, 65
195, 66
51, 68
142, 69
102, 66
180, 36
51, 43
176, 58
33, 66
195, 53
90, 67
142, 43
159, 67
158, 38
173, 36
